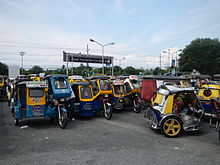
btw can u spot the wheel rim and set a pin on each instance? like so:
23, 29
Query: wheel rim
136, 108
107, 111
171, 127
62, 119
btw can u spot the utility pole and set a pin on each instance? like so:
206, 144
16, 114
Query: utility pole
87, 52
160, 65
67, 58
22, 59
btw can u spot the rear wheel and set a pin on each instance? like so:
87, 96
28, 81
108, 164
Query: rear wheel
171, 126
107, 111
62, 121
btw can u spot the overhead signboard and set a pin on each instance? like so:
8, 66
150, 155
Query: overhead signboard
84, 58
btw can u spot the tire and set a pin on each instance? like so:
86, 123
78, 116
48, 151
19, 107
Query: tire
107, 112
63, 119
137, 107
171, 126
51, 120
16, 122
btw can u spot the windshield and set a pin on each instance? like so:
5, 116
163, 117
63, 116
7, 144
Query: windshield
118, 90
36, 92
95, 88
1, 80
127, 87
135, 84
86, 92
60, 84
105, 85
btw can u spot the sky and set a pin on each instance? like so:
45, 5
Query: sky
140, 29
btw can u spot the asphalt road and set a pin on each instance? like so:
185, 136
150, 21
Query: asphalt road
125, 139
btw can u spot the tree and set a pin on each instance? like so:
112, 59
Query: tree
3, 69
202, 55
117, 70
156, 71
36, 70
129, 70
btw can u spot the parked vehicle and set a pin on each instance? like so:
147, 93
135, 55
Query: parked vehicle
84, 100
30, 101
59, 95
132, 90
206, 93
3, 85
118, 94
102, 93
174, 109
216, 114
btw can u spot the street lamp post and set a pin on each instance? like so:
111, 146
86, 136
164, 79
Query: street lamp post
160, 61
176, 58
112, 43
22, 59
120, 63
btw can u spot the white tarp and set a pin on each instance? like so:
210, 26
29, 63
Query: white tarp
13, 71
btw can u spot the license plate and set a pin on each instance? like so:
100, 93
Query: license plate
37, 111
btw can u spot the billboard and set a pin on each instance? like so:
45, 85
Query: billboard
84, 58
173, 63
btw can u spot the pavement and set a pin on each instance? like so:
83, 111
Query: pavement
123, 140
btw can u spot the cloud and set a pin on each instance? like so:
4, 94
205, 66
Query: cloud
118, 5
169, 35
76, 7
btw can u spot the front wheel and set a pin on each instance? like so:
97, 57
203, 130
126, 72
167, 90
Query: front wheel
137, 106
107, 111
171, 126
16, 122
62, 119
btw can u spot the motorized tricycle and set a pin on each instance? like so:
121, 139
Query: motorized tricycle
30, 101
102, 93
173, 109
206, 93
132, 90
84, 100
3, 85
126, 90
118, 94
59, 95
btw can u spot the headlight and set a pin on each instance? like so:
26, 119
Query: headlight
121, 100
62, 99
106, 95
56, 102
